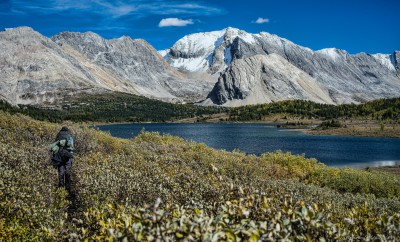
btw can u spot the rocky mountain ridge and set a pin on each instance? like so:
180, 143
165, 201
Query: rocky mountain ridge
229, 67
36, 69
346, 78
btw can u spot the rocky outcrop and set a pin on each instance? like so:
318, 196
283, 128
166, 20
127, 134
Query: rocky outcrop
265, 78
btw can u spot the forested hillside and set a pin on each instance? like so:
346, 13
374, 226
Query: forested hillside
377, 109
122, 107
111, 107
162, 188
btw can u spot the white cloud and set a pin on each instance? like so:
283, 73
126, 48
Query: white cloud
174, 22
261, 21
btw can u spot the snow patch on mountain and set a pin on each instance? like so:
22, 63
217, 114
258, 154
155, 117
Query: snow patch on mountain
246, 37
164, 53
199, 42
192, 64
386, 60
330, 53
272, 38
195, 52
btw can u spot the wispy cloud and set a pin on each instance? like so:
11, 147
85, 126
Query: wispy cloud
261, 21
109, 18
46, 7
100, 7
114, 9
174, 22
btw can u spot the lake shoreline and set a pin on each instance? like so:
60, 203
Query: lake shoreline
394, 170
263, 137
353, 127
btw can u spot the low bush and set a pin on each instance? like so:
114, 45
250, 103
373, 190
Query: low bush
160, 187
330, 124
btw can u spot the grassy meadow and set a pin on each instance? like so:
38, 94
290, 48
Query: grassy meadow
162, 188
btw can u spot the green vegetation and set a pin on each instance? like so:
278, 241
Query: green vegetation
157, 187
123, 107
378, 109
382, 125
112, 107
330, 124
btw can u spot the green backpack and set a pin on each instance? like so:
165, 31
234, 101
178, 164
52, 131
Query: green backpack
61, 151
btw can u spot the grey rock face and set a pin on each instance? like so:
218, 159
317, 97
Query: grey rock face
349, 78
138, 63
36, 69
265, 78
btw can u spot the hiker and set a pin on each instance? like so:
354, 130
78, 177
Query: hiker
62, 150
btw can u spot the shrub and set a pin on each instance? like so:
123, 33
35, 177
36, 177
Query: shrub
330, 124
160, 187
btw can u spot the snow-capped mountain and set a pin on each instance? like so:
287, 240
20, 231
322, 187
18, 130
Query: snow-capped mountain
343, 77
205, 52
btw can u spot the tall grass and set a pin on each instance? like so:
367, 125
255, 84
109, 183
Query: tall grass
156, 187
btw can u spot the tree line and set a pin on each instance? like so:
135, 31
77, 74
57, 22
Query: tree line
123, 107
381, 109
111, 107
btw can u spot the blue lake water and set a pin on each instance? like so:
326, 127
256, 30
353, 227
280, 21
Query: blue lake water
258, 138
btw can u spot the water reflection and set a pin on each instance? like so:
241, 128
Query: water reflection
370, 164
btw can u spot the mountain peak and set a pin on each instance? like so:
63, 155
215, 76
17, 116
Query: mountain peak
86, 36
196, 52
19, 29
332, 53
232, 29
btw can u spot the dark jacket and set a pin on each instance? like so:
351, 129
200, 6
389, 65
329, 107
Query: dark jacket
63, 134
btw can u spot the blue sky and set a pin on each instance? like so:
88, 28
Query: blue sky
370, 26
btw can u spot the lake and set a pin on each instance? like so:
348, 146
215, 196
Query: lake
258, 138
